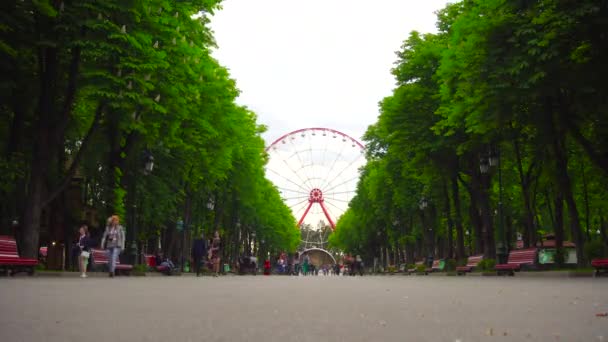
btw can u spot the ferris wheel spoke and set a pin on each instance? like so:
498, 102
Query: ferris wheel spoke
346, 182
289, 180
337, 199
293, 171
295, 198
335, 160
338, 193
342, 171
333, 205
295, 191
297, 153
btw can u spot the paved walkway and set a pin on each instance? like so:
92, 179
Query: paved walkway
280, 308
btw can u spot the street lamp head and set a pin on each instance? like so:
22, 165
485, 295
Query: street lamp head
493, 156
148, 163
484, 165
210, 204
423, 203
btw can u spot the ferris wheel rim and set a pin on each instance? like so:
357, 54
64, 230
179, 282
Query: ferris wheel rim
323, 129
305, 177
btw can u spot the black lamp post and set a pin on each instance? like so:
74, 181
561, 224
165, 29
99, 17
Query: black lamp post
424, 203
148, 160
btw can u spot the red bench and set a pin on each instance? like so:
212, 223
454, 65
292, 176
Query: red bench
472, 262
10, 261
517, 259
151, 262
600, 265
100, 262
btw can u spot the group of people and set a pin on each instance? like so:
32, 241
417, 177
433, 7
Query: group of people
113, 241
201, 250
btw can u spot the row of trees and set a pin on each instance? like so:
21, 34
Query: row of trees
93, 90
498, 128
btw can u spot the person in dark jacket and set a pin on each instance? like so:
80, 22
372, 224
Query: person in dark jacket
199, 251
84, 245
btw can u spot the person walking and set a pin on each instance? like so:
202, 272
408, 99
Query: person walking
305, 264
296, 263
214, 253
199, 251
113, 240
84, 245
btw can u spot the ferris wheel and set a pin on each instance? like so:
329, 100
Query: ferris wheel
316, 170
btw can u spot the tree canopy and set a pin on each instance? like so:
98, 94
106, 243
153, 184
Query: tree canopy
92, 90
510, 88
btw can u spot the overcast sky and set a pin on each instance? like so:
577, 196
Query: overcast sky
316, 63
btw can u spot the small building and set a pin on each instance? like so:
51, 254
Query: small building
546, 251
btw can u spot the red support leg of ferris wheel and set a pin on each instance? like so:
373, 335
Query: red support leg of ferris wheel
331, 222
316, 196
305, 213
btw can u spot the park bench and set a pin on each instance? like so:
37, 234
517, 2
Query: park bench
438, 266
100, 262
600, 265
151, 262
472, 262
10, 261
413, 270
517, 259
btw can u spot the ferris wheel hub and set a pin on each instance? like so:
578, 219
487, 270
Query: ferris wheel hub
316, 196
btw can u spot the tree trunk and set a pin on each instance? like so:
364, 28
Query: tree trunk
486, 218
530, 229
586, 198
559, 222
448, 214
475, 215
460, 252
565, 186
41, 155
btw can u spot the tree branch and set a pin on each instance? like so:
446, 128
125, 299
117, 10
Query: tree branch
596, 157
76, 161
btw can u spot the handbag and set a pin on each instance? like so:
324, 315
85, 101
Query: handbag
85, 254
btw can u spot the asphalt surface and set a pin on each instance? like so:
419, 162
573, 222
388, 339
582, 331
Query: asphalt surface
280, 308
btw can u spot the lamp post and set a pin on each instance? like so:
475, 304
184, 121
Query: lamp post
148, 161
424, 203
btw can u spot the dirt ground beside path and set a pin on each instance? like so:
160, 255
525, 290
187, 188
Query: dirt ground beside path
281, 308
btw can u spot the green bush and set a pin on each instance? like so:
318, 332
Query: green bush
140, 268
462, 262
411, 266
421, 268
594, 249
450, 265
391, 269
486, 265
